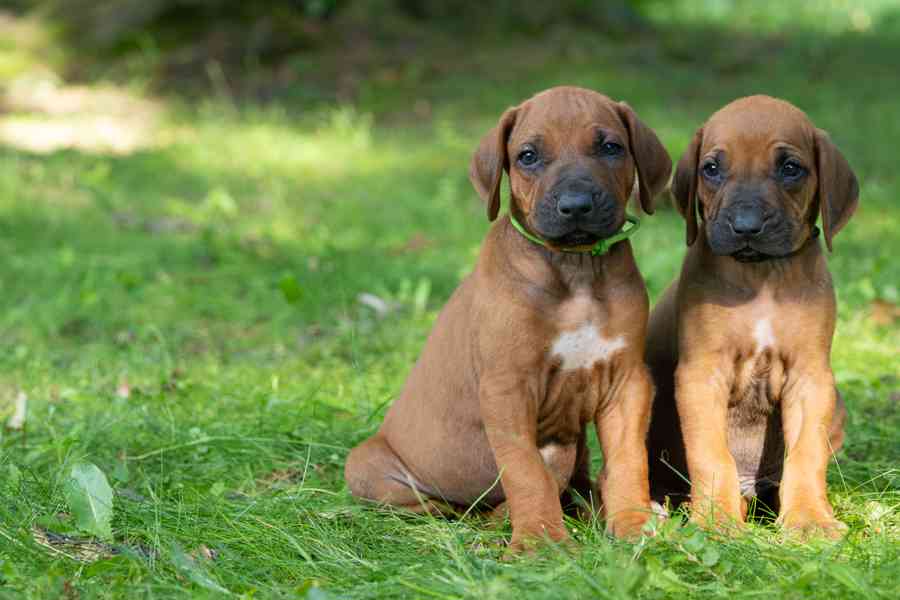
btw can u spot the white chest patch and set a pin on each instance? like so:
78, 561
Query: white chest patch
583, 347
763, 334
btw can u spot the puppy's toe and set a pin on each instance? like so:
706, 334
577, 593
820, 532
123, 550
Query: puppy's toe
526, 540
720, 524
804, 527
629, 525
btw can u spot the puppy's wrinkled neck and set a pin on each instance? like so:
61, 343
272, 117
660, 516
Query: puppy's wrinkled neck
564, 273
807, 265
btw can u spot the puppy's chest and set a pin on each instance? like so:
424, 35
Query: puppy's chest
585, 347
759, 371
580, 364
754, 418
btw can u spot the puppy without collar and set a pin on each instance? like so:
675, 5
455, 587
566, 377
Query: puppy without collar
739, 345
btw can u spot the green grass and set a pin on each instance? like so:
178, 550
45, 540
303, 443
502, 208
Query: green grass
218, 275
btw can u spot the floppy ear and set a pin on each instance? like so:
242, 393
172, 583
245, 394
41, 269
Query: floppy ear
838, 192
489, 162
684, 185
650, 158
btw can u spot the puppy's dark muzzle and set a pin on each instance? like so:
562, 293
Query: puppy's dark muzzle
575, 205
747, 221
576, 211
750, 231
582, 206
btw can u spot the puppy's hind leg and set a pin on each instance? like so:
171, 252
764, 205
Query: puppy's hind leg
836, 434
582, 498
374, 472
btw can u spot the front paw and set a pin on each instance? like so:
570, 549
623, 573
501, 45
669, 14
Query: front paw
724, 516
806, 523
629, 524
527, 538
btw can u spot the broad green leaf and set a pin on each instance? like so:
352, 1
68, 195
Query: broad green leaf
710, 556
695, 543
90, 499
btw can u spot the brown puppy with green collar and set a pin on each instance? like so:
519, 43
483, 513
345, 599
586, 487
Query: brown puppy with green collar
541, 339
740, 344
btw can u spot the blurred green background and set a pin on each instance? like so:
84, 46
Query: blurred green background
226, 229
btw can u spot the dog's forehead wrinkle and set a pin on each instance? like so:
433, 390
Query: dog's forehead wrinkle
535, 139
567, 112
756, 133
562, 130
785, 147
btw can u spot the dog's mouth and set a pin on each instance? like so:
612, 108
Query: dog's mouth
576, 238
749, 255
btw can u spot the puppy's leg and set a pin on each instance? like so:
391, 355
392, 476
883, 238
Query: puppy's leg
836, 435
701, 394
509, 412
622, 428
374, 472
810, 413
582, 498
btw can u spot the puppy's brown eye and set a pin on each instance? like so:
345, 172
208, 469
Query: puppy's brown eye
791, 169
528, 158
711, 170
611, 149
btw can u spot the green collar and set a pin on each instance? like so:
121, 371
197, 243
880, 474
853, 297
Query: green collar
598, 249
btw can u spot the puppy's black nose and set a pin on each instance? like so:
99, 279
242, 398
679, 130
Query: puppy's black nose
747, 221
573, 205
